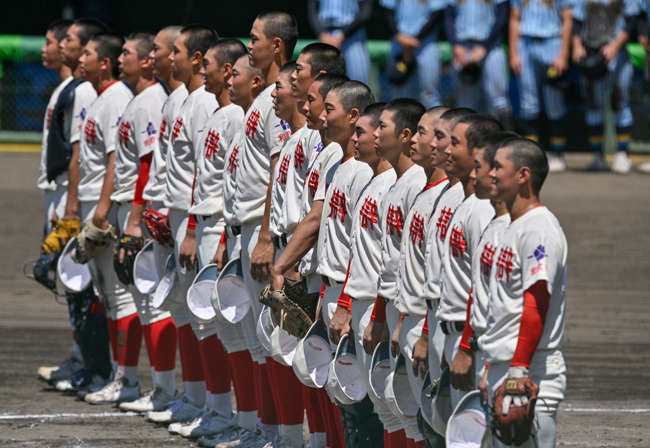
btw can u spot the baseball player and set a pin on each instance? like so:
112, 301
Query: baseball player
244, 85
98, 65
526, 316
137, 138
55, 192
342, 25
154, 193
603, 27
410, 273
539, 45
313, 60
397, 124
474, 29
202, 346
466, 363
414, 25
65, 128
463, 234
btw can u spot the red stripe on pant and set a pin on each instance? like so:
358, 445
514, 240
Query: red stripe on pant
216, 366
129, 333
243, 377
190, 354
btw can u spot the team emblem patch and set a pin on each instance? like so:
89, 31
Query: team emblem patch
539, 253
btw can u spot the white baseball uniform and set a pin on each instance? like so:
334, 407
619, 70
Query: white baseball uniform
463, 235
97, 142
157, 186
185, 137
444, 208
315, 188
363, 273
137, 136
333, 248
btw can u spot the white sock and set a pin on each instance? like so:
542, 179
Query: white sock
270, 430
222, 403
318, 440
130, 373
247, 420
195, 390
166, 380
292, 435
153, 378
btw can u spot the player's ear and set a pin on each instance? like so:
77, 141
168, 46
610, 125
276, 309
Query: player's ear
278, 45
406, 135
256, 82
147, 62
105, 64
524, 175
354, 115
226, 70
197, 59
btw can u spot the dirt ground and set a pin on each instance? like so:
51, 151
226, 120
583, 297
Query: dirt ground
607, 344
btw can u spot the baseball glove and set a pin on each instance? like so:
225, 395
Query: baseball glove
62, 232
131, 245
293, 308
514, 410
90, 240
157, 226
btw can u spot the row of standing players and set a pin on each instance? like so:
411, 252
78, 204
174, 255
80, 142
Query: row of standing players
542, 36
391, 211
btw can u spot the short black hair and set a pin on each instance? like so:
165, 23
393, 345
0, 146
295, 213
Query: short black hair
173, 31
480, 126
406, 114
109, 45
283, 25
89, 27
288, 67
528, 153
494, 141
252, 71
144, 42
454, 115
59, 27
199, 38
328, 82
436, 111
354, 95
324, 57
228, 50
374, 112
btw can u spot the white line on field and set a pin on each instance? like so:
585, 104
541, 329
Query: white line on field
49, 416
603, 410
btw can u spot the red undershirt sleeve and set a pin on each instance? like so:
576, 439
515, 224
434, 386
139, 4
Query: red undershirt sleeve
143, 179
379, 310
344, 299
425, 327
191, 224
467, 331
223, 238
536, 303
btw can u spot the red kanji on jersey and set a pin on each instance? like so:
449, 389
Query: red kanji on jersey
90, 131
443, 222
313, 183
457, 242
251, 124
47, 119
298, 156
417, 229
487, 257
395, 220
368, 213
123, 132
178, 124
211, 144
504, 263
284, 168
232, 160
337, 204
163, 127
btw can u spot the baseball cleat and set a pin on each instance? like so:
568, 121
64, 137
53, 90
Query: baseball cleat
556, 163
153, 401
61, 372
622, 164
233, 435
116, 391
211, 424
279, 443
64, 386
182, 410
598, 163
644, 168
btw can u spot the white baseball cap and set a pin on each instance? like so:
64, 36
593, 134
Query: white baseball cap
379, 371
313, 356
399, 396
264, 327
345, 381
168, 293
229, 298
145, 275
283, 346
75, 277
199, 294
441, 405
468, 423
